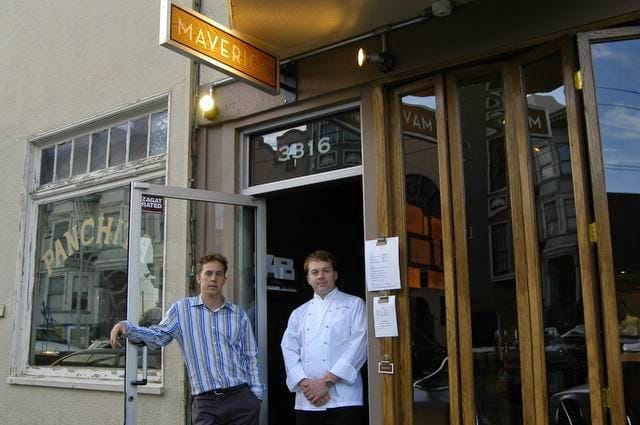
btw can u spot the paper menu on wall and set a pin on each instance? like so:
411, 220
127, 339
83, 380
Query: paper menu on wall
385, 320
382, 264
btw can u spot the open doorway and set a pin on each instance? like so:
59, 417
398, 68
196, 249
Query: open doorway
325, 216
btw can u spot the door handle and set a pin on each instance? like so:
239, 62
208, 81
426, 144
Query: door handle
142, 381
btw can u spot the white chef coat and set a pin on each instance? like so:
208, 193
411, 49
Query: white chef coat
327, 334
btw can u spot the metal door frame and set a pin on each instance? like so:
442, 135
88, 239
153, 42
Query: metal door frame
135, 220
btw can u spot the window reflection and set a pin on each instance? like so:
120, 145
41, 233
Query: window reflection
491, 267
310, 147
81, 278
617, 85
565, 349
425, 271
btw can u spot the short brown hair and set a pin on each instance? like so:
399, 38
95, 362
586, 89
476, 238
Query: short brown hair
320, 255
213, 257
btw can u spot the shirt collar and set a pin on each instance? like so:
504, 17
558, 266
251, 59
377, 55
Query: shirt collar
330, 295
197, 302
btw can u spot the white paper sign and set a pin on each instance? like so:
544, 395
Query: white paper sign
384, 316
382, 263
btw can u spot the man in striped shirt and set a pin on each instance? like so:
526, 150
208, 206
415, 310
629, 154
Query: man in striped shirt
218, 346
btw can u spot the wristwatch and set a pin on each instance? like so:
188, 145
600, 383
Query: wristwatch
329, 383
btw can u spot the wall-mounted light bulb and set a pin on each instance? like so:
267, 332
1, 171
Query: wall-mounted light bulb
206, 103
362, 57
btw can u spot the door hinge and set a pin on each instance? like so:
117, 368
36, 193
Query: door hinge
593, 232
577, 80
606, 398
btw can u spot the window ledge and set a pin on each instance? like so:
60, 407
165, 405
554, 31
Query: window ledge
81, 384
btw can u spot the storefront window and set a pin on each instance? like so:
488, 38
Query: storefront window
564, 331
425, 270
617, 83
308, 147
79, 243
81, 279
491, 269
118, 144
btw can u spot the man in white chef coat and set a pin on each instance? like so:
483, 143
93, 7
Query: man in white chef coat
324, 347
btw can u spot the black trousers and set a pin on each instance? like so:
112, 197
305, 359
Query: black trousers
237, 408
351, 415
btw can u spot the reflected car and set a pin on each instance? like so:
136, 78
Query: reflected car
431, 396
571, 406
49, 346
105, 357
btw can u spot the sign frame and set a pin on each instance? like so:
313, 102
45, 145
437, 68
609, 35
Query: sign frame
167, 8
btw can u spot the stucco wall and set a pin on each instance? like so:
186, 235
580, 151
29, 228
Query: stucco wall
64, 62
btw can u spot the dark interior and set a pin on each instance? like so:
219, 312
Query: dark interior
325, 216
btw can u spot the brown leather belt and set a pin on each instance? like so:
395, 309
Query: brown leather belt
222, 392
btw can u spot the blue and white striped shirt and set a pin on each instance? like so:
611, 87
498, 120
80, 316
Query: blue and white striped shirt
218, 346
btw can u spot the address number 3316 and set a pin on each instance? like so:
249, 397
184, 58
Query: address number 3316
300, 149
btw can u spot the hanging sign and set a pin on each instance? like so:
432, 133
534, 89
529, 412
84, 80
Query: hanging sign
194, 35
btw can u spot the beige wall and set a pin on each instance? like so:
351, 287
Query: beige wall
64, 62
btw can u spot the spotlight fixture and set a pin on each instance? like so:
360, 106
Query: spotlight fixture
208, 105
384, 60
441, 8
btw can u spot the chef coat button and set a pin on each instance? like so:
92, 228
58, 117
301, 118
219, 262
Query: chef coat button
323, 359
325, 326
325, 343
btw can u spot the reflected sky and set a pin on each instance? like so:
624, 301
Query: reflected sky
428, 101
618, 99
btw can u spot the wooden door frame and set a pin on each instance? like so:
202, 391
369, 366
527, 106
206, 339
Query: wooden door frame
397, 394
397, 180
581, 193
517, 226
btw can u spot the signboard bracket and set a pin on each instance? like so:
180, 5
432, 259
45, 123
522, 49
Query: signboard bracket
289, 82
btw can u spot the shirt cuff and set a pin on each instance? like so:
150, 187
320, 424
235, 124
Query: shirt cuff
344, 371
294, 376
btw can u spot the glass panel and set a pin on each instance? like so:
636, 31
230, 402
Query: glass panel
230, 231
425, 271
63, 162
46, 165
563, 318
80, 154
81, 279
98, 150
494, 315
138, 139
158, 142
118, 144
309, 147
617, 84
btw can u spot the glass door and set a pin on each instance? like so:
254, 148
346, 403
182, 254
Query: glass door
175, 227
493, 310
420, 126
610, 61
566, 341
